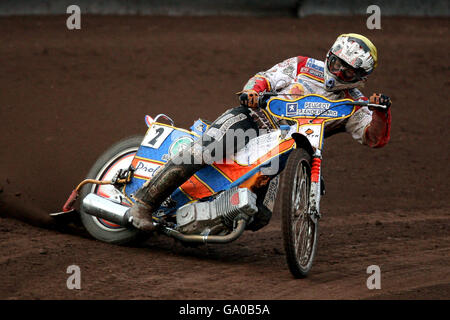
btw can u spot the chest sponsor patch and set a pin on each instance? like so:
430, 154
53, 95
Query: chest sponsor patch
311, 71
315, 64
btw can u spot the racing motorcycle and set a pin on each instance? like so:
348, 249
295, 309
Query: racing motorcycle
220, 202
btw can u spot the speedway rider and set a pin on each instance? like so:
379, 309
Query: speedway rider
348, 63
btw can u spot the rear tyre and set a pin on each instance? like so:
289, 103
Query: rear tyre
300, 233
118, 156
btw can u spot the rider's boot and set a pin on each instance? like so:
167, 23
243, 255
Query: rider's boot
153, 192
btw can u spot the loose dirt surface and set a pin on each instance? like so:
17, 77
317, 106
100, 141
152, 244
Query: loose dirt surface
66, 96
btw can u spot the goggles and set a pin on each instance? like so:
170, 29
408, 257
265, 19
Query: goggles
343, 70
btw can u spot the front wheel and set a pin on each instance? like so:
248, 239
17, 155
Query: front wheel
300, 232
119, 156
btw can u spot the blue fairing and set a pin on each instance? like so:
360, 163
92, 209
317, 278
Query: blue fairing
310, 106
210, 175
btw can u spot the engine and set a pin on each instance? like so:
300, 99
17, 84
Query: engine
213, 217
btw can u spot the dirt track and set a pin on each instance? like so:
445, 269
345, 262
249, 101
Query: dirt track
67, 95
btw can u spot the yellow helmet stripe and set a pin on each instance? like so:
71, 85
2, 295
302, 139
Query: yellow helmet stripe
367, 42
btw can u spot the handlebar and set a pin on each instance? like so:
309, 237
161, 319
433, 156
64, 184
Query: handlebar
264, 96
367, 104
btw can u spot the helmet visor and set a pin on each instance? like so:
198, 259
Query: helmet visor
343, 70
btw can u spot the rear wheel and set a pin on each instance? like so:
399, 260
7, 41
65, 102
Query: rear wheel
118, 156
300, 233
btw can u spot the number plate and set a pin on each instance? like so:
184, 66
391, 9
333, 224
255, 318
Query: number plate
156, 136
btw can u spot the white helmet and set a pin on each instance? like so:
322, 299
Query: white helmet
350, 60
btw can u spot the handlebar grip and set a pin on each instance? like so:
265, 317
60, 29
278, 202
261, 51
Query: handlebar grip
263, 97
379, 106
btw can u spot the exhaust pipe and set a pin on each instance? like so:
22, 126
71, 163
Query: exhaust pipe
106, 209
192, 238
100, 207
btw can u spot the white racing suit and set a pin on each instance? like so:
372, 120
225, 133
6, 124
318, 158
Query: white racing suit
303, 75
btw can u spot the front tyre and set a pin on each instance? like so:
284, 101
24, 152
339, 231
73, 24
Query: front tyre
300, 233
118, 156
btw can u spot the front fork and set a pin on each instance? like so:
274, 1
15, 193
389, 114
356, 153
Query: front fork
314, 192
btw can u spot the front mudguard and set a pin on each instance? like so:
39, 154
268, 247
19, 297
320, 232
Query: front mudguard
302, 141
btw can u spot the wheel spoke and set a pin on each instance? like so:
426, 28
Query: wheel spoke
301, 223
300, 232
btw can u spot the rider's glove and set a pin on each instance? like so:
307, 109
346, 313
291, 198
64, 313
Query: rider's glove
248, 98
381, 99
